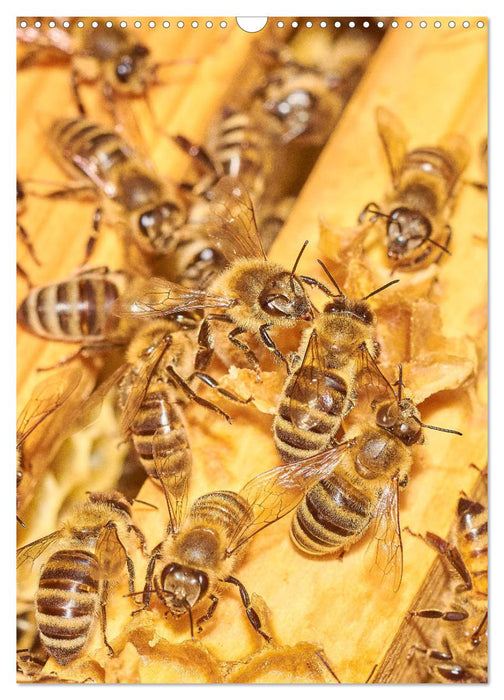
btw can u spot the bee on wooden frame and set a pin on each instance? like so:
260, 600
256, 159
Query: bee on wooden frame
417, 209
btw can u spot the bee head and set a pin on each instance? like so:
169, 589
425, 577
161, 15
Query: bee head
182, 587
130, 65
349, 307
406, 230
156, 225
284, 296
401, 419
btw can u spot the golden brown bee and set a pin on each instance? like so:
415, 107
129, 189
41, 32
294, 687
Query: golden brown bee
76, 309
362, 492
155, 383
46, 398
321, 391
82, 559
255, 294
109, 55
424, 185
151, 209
462, 655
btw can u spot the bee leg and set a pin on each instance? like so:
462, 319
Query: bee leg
75, 82
363, 213
208, 613
140, 537
448, 230
210, 381
450, 616
147, 591
103, 604
252, 615
206, 341
27, 241
270, 344
81, 351
312, 282
91, 242
22, 273
194, 397
451, 671
250, 354
449, 552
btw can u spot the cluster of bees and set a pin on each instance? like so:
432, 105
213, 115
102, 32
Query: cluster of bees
197, 292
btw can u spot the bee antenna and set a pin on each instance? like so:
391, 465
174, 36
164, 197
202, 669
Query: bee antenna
400, 384
380, 289
435, 427
326, 270
299, 257
151, 505
443, 248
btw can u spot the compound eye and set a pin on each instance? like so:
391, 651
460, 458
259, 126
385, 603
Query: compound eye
124, 70
275, 304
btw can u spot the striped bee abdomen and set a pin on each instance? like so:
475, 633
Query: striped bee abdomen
159, 415
68, 602
73, 310
225, 508
305, 424
332, 515
473, 542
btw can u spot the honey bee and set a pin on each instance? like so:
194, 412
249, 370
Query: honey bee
160, 362
462, 656
151, 209
321, 391
255, 294
109, 55
424, 185
47, 397
362, 492
82, 560
75, 310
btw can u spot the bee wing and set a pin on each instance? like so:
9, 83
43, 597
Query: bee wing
394, 138
33, 550
232, 223
386, 532
157, 298
46, 398
110, 552
275, 493
458, 148
310, 389
141, 383
373, 387
175, 484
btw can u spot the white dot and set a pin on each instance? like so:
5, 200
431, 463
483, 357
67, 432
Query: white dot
180, 24
365, 25
423, 24
209, 24
23, 24
108, 24
52, 24
152, 24
123, 24
309, 24
280, 24
166, 24
38, 24
194, 24
466, 24
437, 24
337, 25
94, 24
323, 25
409, 24
394, 24
351, 25
480, 24
294, 24
451, 24
138, 24
223, 24
80, 24
379, 24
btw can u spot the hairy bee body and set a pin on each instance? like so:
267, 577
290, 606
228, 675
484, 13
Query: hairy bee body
337, 511
73, 310
82, 559
152, 209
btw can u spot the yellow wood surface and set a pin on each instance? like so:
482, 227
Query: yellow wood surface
435, 81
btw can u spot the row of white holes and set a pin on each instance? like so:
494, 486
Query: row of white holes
409, 24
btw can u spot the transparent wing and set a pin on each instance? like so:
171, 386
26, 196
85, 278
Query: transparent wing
372, 386
394, 138
157, 298
311, 395
110, 553
33, 550
138, 390
232, 223
175, 483
46, 398
275, 493
386, 532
